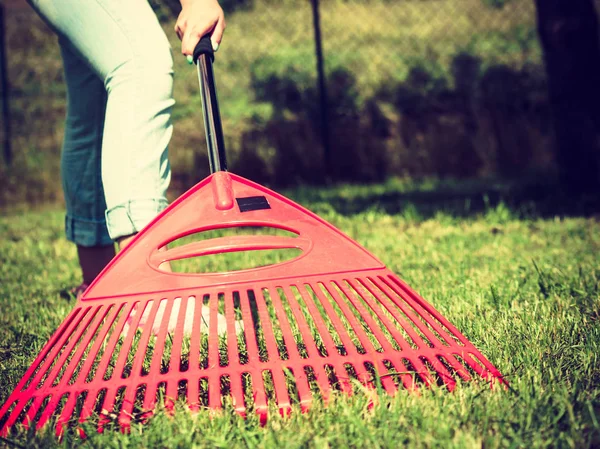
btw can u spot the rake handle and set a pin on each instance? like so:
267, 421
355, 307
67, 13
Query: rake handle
204, 57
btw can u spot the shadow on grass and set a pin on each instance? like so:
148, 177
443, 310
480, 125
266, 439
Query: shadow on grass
526, 198
469, 121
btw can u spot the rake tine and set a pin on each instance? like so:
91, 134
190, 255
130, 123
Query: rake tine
126, 412
88, 405
66, 413
15, 413
472, 361
319, 370
489, 370
462, 372
128, 341
362, 374
116, 335
88, 333
404, 324
77, 336
269, 335
284, 324
337, 324
250, 330
214, 379
385, 320
213, 336
194, 362
178, 334
422, 371
281, 393
322, 379
300, 320
214, 391
410, 313
446, 376
362, 337
31, 412
149, 401
233, 353
259, 395
343, 379
110, 316
373, 326
60, 344
159, 347
107, 408
326, 337
12, 417
49, 410
408, 377
193, 393
422, 308
49, 352
171, 393
304, 393
387, 382
237, 394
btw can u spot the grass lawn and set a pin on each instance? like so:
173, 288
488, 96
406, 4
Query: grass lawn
523, 286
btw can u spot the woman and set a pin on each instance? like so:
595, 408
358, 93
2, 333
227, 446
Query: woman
119, 74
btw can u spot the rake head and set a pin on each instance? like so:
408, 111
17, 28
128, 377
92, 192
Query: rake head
278, 334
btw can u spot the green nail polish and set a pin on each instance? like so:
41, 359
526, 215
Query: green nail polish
190, 59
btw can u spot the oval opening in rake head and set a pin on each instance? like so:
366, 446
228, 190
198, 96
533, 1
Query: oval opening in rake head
233, 261
230, 231
220, 252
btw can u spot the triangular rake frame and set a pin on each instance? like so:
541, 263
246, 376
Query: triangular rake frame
315, 322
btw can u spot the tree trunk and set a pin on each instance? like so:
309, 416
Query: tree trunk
568, 31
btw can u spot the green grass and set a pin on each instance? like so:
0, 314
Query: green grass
523, 286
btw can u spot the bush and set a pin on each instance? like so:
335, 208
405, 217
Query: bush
497, 4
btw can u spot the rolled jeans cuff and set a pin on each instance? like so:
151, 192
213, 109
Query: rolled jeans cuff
131, 217
86, 232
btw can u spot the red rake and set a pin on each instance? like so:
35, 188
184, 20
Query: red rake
293, 329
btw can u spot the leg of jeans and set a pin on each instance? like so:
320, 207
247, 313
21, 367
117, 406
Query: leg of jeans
85, 222
124, 45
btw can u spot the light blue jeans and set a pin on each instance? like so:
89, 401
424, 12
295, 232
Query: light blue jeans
119, 73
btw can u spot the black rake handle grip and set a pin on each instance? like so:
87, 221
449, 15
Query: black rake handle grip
204, 57
204, 47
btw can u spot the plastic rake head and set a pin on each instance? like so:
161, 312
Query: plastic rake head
324, 321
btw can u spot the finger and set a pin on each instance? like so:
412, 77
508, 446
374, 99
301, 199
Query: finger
191, 37
217, 34
180, 26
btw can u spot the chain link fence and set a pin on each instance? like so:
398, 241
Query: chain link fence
411, 88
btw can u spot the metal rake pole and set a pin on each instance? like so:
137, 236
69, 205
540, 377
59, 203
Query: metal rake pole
4, 87
322, 90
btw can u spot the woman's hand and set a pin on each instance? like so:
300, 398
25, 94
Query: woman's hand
197, 18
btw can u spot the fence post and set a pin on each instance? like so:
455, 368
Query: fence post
4, 88
322, 90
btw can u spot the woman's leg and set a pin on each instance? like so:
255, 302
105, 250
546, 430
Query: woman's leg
118, 67
85, 222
